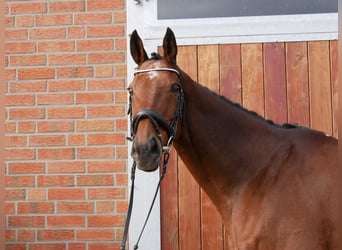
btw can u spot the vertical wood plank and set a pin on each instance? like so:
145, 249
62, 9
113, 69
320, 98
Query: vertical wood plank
189, 190
319, 86
334, 84
230, 71
169, 206
208, 75
252, 77
297, 83
274, 82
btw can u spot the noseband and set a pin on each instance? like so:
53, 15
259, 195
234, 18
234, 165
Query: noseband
171, 130
156, 119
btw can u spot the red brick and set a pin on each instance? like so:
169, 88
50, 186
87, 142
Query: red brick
120, 17
20, 100
66, 85
121, 179
24, 21
53, 99
76, 139
120, 44
94, 45
75, 72
15, 246
20, 47
66, 112
26, 235
95, 234
106, 166
104, 153
33, 86
66, 194
104, 71
75, 207
66, 167
55, 126
105, 31
95, 180
121, 152
120, 70
9, 208
55, 234
20, 154
26, 221
67, 59
105, 111
17, 34
108, 138
47, 140
35, 208
36, 194
110, 57
14, 194
36, 73
87, 98
56, 153
92, 18
48, 33
105, 207
102, 246
28, 60
56, 46
26, 113
106, 220
10, 74
55, 181
53, 19
105, 4
47, 246
66, 6
94, 125
76, 32
77, 246
106, 193
121, 206
19, 181
16, 141
121, 97
9, 235
65, 221
10, 127
28, 7
106, 84
9, 21
26, 167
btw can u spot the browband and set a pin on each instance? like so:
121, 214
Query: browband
157, 69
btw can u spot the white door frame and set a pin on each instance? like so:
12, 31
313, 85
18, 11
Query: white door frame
143, 18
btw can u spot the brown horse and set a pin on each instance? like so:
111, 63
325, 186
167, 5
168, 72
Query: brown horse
274, 186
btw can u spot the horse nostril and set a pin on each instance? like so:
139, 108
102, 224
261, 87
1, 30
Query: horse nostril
151, 147
154, 147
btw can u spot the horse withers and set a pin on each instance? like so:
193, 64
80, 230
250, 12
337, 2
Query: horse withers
276, 187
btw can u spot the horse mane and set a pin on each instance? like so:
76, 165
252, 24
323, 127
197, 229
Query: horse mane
253, 113
157, 56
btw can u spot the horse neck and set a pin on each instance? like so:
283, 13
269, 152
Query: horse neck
221, 144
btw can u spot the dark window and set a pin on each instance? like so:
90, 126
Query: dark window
176, 9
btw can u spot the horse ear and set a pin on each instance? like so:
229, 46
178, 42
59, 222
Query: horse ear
170, 46
137, 48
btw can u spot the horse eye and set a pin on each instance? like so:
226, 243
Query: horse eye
130, 91
175, 88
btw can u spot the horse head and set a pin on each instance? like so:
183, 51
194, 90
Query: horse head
156, 102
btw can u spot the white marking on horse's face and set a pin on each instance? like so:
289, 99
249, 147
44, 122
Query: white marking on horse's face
153, 74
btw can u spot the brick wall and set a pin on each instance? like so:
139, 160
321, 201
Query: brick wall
66, 173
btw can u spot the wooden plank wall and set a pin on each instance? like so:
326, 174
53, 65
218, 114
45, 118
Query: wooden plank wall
293, 82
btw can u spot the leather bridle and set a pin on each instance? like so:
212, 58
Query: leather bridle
158, 122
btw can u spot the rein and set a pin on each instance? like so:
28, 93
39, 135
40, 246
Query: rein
157, 121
